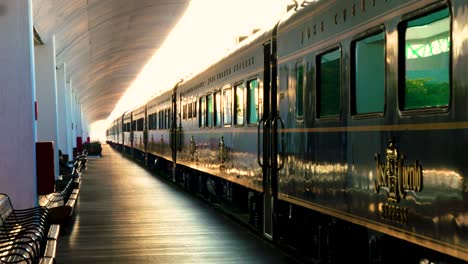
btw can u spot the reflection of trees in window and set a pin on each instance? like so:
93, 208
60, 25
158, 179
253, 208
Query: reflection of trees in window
252, 101
239, 104
427, 61
422, 93
329, 84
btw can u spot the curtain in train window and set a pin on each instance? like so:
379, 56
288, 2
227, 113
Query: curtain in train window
329, 84
227, 104
239, 104
427, 61
252, 101
299, 90
217, 111
202, 114
369, 74
209, 110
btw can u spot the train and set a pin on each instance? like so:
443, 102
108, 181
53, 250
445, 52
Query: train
338, 132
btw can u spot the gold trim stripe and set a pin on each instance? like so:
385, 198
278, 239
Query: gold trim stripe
403, 127
377, 128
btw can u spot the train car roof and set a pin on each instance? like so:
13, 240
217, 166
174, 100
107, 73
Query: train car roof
262, 34
310, 7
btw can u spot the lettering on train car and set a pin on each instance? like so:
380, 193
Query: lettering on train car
193, 89
395, 213
397, 179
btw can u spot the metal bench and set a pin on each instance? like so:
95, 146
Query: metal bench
61, 204
26, 236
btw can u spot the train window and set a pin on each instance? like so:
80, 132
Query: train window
184, 112
299, 90
169, 119
209, 110
239, 105
155, 121
150, 121
217, 111
252, 101
368, 80
189, 110
427, 61
139, 124
329, 84
160, 120
202, 113
194, 109
227, 103
134, 127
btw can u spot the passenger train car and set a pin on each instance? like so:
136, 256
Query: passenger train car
340, 131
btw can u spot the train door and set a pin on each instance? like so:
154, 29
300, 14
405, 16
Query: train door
268, 146
175, 131
145, 134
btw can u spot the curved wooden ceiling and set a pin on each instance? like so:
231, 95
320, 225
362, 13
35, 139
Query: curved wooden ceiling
105, 43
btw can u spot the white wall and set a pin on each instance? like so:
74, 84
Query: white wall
17, 96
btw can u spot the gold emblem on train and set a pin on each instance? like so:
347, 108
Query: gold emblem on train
396, 177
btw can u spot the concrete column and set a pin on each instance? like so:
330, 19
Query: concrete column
17, 96
68, 96
46, 96
74, 131
62, 108
75, 119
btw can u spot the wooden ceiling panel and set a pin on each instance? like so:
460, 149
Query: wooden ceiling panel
105, 43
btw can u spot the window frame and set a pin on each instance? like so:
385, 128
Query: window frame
352, 95
402, 26
318, 66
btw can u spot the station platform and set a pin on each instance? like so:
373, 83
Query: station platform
125, 214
